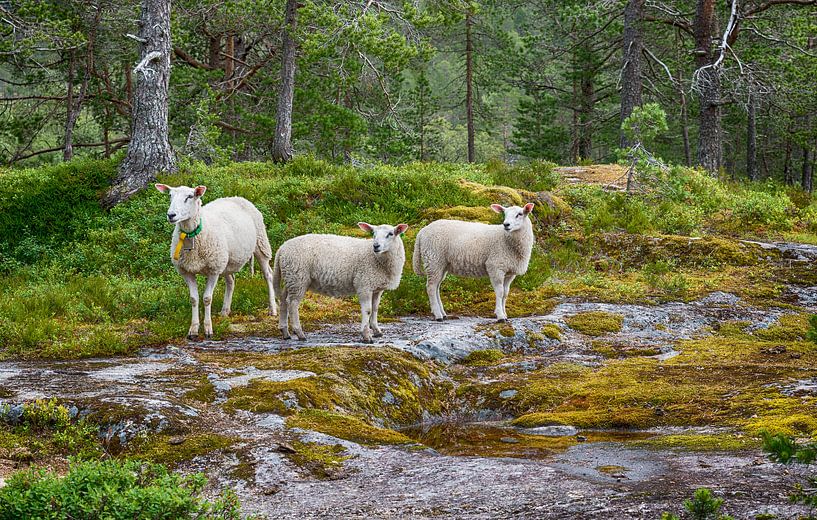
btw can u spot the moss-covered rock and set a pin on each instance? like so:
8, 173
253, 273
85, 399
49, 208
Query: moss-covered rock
172, 450
595, 323
483, 357
345, 427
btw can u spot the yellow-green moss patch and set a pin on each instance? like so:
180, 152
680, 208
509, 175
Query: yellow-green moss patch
551, 331
595, 323
467, 213
702, 442
320, 460
483, 357
345, 427
170, 450
204, 391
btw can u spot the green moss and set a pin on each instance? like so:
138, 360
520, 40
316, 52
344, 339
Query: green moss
790, 327
627, 418
471, 214
552, 331
621, 350
595, 323
483, 357
161, 450
321, 460
5, 392
796, 425
702, 442
504, 329
244, 470
345, 427
204, 391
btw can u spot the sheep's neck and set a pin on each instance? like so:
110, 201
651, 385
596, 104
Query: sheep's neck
393, 257
519, 241
189, 225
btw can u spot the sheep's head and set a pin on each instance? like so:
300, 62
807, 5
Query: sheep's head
384, 236
184, 201
515, 216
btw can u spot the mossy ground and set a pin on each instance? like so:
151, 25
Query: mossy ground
345, 427
595, 323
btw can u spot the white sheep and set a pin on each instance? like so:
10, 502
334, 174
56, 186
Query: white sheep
339, 266
500, 252
214, 240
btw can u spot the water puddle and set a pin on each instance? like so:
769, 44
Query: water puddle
493, 439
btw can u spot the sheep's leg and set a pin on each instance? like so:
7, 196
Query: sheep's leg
283, 317
267, 272
433, 289
193, 332
373, 318
229, 286
294, 303
365, 315
498, 282
507, 290
439, 298
212, 279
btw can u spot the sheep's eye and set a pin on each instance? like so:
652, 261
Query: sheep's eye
188, 198
519, 215
390, 234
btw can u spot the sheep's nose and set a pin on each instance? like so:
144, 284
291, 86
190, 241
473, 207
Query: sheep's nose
377, 248
171, 216
506, 225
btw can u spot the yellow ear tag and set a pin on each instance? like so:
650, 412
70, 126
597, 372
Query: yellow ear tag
177, 253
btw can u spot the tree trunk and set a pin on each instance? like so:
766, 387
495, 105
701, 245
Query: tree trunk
631, 69
751, 139
149, 151
70, 116
282, 141
586, 115
709, 133
469, 86
787, 169
806, 173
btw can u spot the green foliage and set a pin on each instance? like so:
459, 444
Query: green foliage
702, 506
784, 449
645, 123
111, 489
534, 176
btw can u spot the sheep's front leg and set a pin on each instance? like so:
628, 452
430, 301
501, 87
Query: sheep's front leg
508, 280
229, 286
283, 317
365, 314
498, 282
212, 279
267, 272
373, 319
193, 332
294, 304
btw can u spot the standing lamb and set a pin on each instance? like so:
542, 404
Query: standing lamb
219, 238
472, 249
339, 266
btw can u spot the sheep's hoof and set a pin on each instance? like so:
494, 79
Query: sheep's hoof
301, 338
502, 320
208, 336
192, 337
378, 334
439, 319
368, 341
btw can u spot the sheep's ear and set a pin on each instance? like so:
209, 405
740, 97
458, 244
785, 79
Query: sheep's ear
164, 188
528, 208
401, 228
199, 190
497, 208
365, 227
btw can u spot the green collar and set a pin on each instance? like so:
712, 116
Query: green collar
196, 231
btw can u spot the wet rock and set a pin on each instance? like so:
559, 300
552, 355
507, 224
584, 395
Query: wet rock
175, 441
388, 398
551, 431
581, 438
777, 349
509, 440
508, 394
12, 414
284, 447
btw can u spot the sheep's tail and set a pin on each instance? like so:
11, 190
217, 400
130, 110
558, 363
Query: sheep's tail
417, 258
252, 266
276, 279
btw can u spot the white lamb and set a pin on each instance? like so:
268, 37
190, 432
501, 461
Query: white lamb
339, 266
472, 249
214, 240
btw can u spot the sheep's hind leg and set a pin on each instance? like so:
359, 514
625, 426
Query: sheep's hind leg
365, 315
433, 290
283, 316
498, 282
229, 287
507, 290
193, 286
208, 303
294, 303
267, 272
439, 298
373, 318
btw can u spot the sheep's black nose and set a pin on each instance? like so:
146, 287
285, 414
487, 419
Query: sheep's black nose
171, 216
376, 248
507, 226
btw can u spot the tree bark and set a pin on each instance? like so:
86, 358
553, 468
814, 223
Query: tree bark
709, 131
807, 170
631, 83
469, 86
751, 139
787, 169
149, 151
282, 141
586, 115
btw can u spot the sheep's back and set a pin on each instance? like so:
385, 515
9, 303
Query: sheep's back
326, 264
232, 221
461, 248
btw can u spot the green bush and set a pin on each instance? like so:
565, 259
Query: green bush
702, 506
113, 490
532, 176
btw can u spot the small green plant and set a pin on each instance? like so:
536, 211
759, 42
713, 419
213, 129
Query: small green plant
811, 334
785, 450
702, 506
645, 123
112, 489
533, 176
